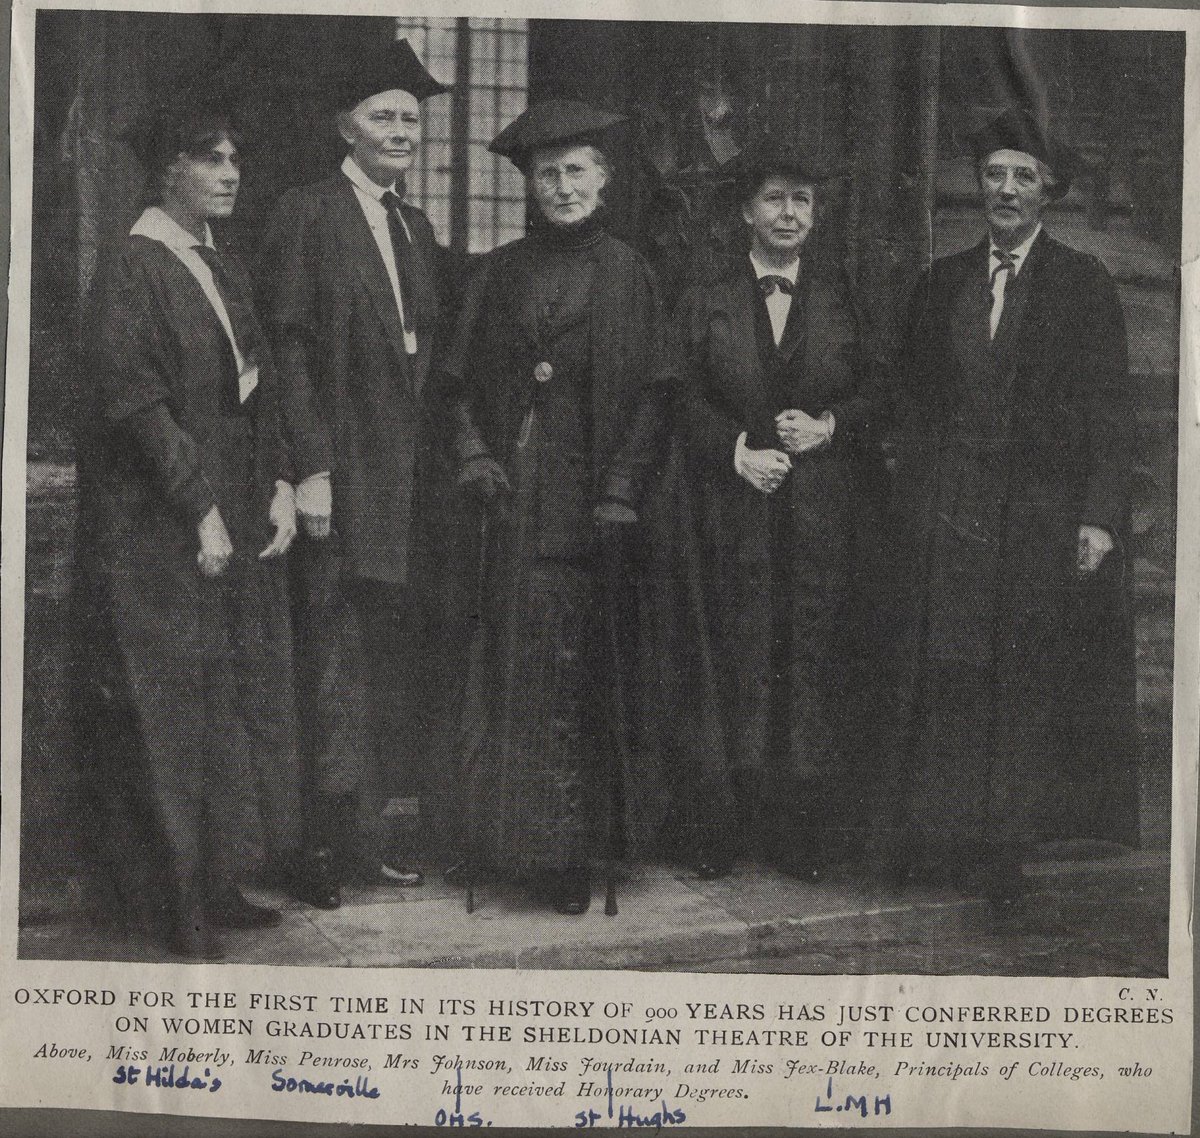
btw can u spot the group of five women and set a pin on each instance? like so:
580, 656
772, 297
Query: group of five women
671, 515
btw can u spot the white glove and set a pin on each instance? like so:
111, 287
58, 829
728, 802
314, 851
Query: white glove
282, 516
800, 432
314, 504
215, 547
1095, 543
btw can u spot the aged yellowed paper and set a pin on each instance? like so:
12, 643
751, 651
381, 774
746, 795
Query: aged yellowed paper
681, 687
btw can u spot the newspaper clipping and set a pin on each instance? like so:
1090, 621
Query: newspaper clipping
587, 566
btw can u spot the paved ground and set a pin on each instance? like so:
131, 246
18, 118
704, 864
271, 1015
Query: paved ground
1087, 915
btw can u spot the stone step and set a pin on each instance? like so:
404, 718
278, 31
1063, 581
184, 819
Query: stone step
667, 919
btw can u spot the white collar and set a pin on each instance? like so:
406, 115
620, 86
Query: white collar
1020, 252
158, 226
761, 269
355, 173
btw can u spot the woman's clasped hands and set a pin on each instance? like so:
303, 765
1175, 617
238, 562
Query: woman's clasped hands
764, 469
800, 432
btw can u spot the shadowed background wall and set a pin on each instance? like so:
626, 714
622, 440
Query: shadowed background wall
890, 105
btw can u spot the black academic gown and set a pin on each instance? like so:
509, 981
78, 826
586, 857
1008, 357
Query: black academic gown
781, 573
184, 685
353, 403
1013, 674
532, 737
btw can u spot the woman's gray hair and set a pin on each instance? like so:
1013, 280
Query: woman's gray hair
593, 152
1044, 171
750, 188
601, 159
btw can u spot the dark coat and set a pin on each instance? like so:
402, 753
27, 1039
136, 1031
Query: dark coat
159, 447
352, 398
184, 681
541, 646
780, 573
1007, 447
489, 369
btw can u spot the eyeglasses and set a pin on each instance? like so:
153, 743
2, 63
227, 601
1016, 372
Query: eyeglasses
551, 177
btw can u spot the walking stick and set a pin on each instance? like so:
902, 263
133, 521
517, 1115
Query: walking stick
617, 754
472, 789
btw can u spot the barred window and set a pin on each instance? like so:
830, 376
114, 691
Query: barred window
475, 200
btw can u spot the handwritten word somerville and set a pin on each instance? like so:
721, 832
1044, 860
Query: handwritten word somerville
360, 1088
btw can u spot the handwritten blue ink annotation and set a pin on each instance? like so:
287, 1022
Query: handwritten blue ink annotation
627, 1117
883, 1103
360, 1088
164, 1076
456, 1117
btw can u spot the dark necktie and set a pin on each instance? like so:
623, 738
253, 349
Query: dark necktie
406, 269
1005, 263
245, 327
769, 283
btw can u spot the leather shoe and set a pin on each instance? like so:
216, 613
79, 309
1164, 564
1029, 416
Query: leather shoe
230, 910
313, 881
573, 892
456, 875
400, 875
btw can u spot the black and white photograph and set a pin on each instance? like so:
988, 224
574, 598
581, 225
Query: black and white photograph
598, 494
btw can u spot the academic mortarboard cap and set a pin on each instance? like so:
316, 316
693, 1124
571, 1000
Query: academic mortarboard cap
389, 66
765, 156
1016, 128
556, 122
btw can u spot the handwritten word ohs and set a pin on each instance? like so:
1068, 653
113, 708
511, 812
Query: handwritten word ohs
456, 1117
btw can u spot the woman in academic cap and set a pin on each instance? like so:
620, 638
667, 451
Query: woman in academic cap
778, 412
348, 275
185, 510
557, 381
1010, 677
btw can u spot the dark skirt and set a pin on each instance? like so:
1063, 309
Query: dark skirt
777, 583
542, 752
530, 721
191, 753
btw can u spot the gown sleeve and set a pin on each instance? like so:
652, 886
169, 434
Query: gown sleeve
288, 271
453, 391
710, 431
643, 445
135, 359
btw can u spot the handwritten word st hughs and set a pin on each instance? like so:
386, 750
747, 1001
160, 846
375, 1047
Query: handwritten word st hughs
628, 1117
852, 1103
165, 1075
287, 1084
